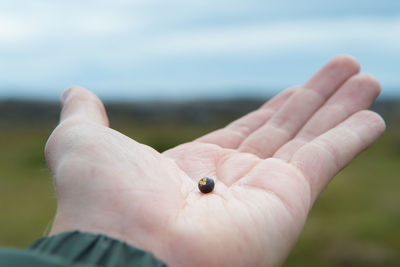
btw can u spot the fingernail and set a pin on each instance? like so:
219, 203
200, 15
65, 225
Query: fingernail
65, 96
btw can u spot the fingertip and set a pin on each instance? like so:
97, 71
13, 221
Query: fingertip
380, 122
347, 61
76, 91
65, 95
82, 104
368, 125
333, 74
375, 120
360, 88
372, 82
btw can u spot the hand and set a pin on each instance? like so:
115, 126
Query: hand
269, 167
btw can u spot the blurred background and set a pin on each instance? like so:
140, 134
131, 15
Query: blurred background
170, 71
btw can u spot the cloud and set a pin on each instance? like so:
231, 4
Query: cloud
159, 44
13, 30
278, 37
41, 22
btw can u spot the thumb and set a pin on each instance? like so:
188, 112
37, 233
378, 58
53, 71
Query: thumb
82, 105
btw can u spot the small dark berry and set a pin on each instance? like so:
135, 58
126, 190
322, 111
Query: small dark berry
206, 185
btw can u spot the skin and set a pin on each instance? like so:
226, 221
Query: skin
269, 167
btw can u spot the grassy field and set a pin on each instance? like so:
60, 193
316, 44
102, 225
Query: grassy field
356, 222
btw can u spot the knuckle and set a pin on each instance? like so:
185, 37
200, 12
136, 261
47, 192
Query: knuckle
70, 135
250, 148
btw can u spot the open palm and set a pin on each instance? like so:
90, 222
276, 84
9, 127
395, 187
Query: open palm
269, 167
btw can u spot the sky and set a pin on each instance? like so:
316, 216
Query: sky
172, 49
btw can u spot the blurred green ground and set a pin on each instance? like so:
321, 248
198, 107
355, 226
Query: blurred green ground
356, 222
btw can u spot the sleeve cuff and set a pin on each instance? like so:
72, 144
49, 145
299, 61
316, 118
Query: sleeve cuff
98, 250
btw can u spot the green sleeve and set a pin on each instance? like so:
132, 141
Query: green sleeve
77, 249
